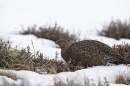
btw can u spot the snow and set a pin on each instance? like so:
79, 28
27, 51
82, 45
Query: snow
86, 16
94, 74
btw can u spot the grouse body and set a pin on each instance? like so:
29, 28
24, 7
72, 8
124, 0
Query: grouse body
89, 53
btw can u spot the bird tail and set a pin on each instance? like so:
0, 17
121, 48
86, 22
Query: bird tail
119, 61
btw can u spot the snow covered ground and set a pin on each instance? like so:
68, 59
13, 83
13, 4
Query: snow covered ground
93, 74
88, 16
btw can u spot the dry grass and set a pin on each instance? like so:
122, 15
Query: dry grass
69, 83
123, 50
76, 83
122, 79
24, 60
15, 59
49, 65
116, 29
53, 66
53, 33
9, 75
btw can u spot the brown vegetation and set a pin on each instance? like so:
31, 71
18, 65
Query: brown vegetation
9, 75
53, 33
122, 79
123, 50
116, 29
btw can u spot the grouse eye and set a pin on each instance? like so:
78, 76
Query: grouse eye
59, 42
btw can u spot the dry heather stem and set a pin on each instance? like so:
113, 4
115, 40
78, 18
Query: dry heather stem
9, 75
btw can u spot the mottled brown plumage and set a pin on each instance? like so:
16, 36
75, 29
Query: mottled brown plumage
89, 53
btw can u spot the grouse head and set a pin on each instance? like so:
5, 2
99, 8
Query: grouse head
62, 43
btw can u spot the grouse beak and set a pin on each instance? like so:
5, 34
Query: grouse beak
56, 42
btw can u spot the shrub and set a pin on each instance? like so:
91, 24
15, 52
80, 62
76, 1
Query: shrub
123, 50
53, 33
53, 66
123, 79
116, 29
14, 59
